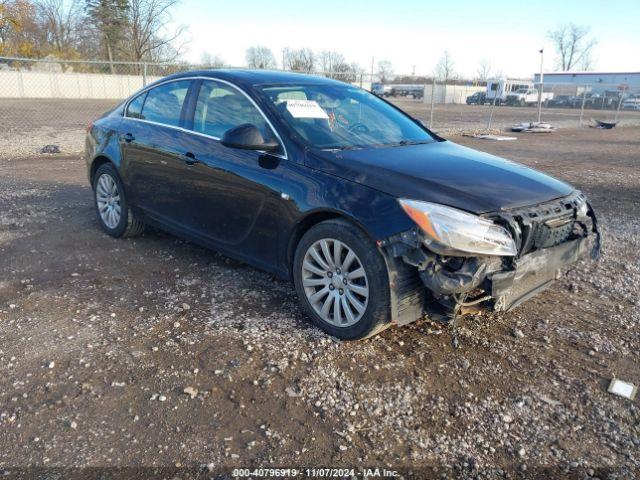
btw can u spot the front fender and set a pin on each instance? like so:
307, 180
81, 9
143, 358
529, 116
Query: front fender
313, 194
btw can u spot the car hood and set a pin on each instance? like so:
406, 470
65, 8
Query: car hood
442, 172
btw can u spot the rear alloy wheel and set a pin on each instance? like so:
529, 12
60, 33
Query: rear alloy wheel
342, 281
108, 200
114, 214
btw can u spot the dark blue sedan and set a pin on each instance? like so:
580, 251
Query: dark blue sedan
375, 219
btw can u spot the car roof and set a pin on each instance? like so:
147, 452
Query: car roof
250, 78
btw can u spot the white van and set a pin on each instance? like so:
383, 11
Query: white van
500, 88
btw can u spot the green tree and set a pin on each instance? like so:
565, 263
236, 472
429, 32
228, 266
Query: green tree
110, 18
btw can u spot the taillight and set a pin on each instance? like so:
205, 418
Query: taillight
90, 126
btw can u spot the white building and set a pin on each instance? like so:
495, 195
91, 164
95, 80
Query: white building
595, 82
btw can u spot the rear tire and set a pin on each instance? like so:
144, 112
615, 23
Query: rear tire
342, 281
112, 208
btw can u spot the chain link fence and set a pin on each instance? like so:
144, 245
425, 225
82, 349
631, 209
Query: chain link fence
52, 101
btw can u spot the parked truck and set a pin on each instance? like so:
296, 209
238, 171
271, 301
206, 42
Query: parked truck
413, 91
527, 96
377, 88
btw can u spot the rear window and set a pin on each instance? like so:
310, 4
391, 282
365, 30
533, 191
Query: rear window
163, 104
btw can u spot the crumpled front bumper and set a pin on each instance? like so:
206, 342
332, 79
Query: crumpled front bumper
533, 273
425, 283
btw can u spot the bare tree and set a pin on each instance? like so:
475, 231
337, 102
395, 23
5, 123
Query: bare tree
334, 65
260, 57
385, 70
62, 23
148, 20
484, 69
444, 67
356, 72
328, 60
587, 62
208, 60
302, 60
572, 44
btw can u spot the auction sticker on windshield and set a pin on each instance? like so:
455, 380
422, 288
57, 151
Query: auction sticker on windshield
306, 109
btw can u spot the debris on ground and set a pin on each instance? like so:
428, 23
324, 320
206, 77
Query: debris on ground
192, 392
291, 392
533, 127
50, 149
499, 138
623, 389
602, 125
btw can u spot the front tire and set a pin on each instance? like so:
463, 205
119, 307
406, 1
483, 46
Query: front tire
110, 200
341, 280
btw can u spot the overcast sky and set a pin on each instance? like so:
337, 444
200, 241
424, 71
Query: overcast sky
413, 33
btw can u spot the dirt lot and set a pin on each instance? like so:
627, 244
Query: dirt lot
99, 338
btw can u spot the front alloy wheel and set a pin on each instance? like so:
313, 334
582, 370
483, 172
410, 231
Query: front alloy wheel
335, 282
342, 280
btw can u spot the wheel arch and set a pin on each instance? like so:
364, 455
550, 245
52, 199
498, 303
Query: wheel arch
309, 221
96, 163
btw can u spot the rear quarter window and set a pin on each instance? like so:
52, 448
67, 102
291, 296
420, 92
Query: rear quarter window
134, 109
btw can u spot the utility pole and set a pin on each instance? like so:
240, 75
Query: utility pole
283, 50
622, 92
541, 85
433, 91
372, 59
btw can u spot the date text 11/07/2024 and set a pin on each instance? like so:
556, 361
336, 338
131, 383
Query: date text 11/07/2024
314, 473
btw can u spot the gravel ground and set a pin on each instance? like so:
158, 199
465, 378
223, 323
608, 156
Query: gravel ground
152, 352
26, 125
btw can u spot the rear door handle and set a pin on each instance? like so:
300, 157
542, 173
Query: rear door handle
190, 158
128, 137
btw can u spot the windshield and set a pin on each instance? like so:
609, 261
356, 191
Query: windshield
340, 117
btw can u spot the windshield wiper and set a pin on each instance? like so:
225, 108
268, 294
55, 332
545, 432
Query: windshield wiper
345, 147
403, 143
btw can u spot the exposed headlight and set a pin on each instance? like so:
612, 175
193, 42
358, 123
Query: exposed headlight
582, 208
454, 232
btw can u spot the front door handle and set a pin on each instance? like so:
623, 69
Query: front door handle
128, 137
190, 158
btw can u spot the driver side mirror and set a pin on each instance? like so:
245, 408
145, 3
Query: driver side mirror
247, 137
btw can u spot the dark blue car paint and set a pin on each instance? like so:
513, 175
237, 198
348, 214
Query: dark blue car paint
253, 206
443, 172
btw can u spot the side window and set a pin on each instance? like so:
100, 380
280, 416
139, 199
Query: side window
220, 107
134, 110
164, 103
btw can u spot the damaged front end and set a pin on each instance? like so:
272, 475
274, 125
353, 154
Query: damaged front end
429, 277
